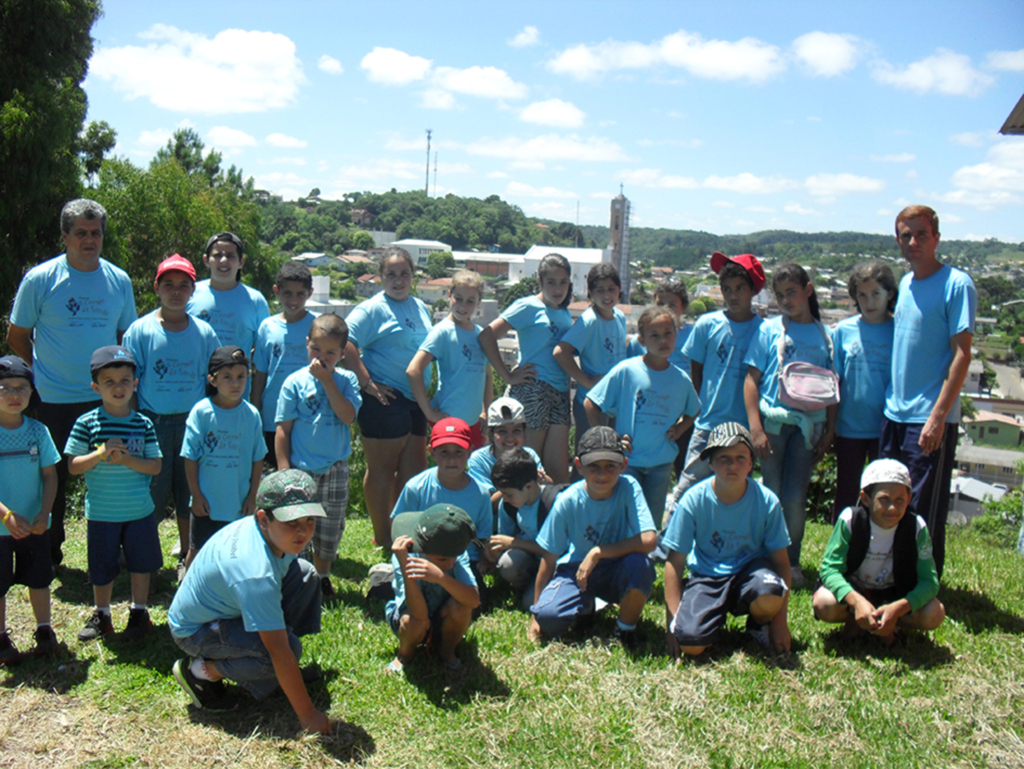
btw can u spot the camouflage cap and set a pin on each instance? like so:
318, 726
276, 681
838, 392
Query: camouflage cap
289, 494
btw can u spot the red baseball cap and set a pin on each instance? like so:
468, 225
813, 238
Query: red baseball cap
176, 263
747, 261
450, 430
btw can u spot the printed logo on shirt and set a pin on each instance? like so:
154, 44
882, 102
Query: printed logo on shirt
467, 352
553, 327
210, 441
409, 322
717, 541
313, 403
592, 535
136, 443
204, 315
790, 349
640, 398
275, 352
73, 306
722, 352
160, 368
855, 349
609, 345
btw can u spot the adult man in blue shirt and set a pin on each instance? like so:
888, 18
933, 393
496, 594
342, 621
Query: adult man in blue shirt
934, 327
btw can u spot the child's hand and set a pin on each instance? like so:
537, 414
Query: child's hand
499, 543
823, 445
762, 449
675, 432
249, 505
435, 415
402, 545
114, 452
525, 374
41, 522
421, 568
626, 443
886, 617
319, 371
17, 526
381, 392
588, 566
779, 637
672, 645
200, 507
318, 723
864, 614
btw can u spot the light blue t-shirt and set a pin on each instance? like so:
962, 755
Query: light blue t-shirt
576, 523
929, 313
599, 343
863, 354
718, 539
461, 370
521, 524
433, 594
388, 334
720, 345
804, 342
24, 452
115, 493
280, 351
319, 438
481, 462
236, 574
71, 314
645, 404
539, 329
235, 314
225, 443
171, 365
424, 490
677, 358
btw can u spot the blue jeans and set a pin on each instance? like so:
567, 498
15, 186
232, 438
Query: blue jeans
170, 434
654, 481
694, 469
239, 654
787, 472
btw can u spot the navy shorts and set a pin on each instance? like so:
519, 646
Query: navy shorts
201, 528
401, 417
706, 601
26, 561
138, 539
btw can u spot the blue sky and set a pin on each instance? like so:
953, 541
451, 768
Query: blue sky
726, 117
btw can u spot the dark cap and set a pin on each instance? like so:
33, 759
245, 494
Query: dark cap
229, 355
748, 262
13, 366
111, 355
444, 530
725, 436
450, 430
600, 443
288, 495
225, 237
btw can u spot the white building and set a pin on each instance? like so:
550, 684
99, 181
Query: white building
420, 249
580, 259
321, 302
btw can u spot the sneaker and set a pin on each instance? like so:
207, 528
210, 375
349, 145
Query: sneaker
8, 651
327, 589
206, 695
99, 624
758, 632
138, 625
46, 641
627, 638
381, 575
181, 570
796, 576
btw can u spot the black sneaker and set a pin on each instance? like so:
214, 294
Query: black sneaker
206, 695
8, 651
327, 589
138, 625
99, 624
627, 638
46, 641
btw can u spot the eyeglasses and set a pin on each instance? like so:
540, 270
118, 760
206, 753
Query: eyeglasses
22, 390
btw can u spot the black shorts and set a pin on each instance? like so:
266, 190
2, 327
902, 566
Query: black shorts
201, 528
401, 417
26, 561
706, 601
138, 539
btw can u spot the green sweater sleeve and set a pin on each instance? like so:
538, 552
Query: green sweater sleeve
927, 575
833, 564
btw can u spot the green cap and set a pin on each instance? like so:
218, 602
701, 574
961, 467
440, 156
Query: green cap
444, 530
289, 494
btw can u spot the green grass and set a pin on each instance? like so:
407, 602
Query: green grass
952, 698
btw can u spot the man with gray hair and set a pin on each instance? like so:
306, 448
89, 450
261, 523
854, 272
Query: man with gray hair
66, 308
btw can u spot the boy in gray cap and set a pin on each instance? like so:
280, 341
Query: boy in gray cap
878, 571
247, 598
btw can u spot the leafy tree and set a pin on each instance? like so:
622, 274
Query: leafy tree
94, 143
525, 287
967, 407
438, 263
45, 46
362, 240
186, 147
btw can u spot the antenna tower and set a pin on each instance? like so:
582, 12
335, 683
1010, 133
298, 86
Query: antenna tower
426, 186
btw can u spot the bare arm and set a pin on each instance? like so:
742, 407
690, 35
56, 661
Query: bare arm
488, 339
19, 339
696, 374
289, 676
752, 400
545, 572
340, 405
934, 428
674, 568
249, 505
565, 356
778, 630
594, 414
259, 386
283, 444
354, 363
200, 505
417, 366
644, 542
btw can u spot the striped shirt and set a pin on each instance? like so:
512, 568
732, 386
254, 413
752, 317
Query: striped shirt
115, 493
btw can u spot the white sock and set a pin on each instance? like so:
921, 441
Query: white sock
138, 606
104, 610
198, 669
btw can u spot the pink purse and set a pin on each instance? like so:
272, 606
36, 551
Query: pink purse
804, 386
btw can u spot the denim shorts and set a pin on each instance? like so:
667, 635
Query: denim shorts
138, 539
401, 417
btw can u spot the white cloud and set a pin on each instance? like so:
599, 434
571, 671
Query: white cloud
403, 145
911, 175
813, 119
999, 181
689, 144
222, 138
282, 140
946, 72
153, 140
654, 179
1008, 61
497, 175
970, 138
435, 98
761, 209
952, 219
828, 54
485, 82
289, 161
236, 71
902, 157
330, 65
749, 184
389, 66
553, 112
746, 59
527, 164
529, 36
526, 190
796, 208
723, 204
831, 185
549, 147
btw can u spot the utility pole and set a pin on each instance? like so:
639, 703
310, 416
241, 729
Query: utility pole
426, 187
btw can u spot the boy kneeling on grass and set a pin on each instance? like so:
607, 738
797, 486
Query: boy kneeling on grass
247, 598
595, 543
730, 532
878, 572
434, 584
